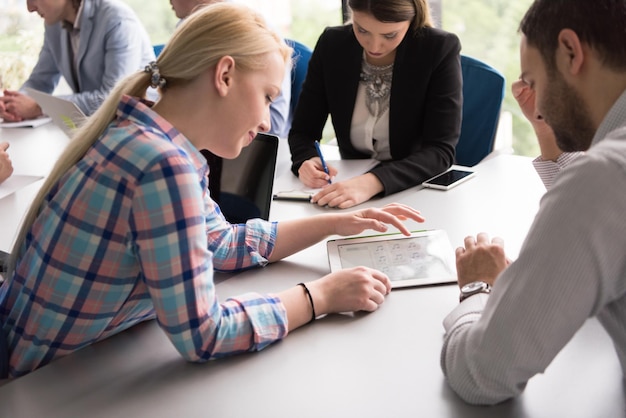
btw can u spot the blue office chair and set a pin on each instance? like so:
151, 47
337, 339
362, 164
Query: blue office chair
483, 92
301, 56
157, 49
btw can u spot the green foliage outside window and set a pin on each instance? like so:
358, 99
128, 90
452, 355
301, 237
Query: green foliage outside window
19, 47
488, 32
487, 29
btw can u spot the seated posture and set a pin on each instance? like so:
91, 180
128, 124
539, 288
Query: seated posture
279, 109
91, 43
124, 229
6, 167
514, 318
392, 85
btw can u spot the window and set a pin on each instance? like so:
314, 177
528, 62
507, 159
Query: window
19, 46
487, 29
488, 32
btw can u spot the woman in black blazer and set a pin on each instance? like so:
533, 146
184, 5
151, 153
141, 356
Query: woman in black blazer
392, 85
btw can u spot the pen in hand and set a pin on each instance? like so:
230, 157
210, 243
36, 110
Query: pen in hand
324, 166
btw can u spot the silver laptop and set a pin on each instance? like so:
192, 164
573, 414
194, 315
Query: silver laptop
64, 113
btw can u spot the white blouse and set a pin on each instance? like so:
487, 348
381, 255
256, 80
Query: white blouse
369, 131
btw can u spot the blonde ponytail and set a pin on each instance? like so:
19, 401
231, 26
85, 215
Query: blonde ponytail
197, 44
82, 140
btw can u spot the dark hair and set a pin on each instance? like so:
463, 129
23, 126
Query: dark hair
415, 11
599, 23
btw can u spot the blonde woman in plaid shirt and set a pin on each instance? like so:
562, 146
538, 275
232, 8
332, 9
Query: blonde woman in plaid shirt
124, 229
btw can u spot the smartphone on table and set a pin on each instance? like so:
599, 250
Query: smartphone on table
449, 179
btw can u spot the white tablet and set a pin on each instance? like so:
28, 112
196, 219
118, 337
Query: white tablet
424, 258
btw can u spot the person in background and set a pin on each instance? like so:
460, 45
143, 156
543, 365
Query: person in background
280, 107
6, 167
514, 318
124, 229
91, 43
552, 159
183, 8
392, 85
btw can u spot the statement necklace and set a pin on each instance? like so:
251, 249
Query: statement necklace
377, 80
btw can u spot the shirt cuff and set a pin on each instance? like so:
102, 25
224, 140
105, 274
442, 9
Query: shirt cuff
268, 318
548, 169
470, 309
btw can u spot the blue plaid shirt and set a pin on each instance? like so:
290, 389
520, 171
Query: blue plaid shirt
130, 233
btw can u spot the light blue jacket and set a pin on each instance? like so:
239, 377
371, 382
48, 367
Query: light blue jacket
280, 113
113, 44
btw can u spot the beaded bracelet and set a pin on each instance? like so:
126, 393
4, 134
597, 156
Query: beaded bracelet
308, 293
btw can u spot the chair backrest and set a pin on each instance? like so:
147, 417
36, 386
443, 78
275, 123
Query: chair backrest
157, 49
483, 92
300, 57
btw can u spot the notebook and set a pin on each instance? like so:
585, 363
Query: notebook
424, 258
64, 113
289, 187
243, 186
28, 123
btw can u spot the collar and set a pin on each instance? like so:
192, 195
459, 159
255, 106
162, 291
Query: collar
140, 112
68, 26
616, 118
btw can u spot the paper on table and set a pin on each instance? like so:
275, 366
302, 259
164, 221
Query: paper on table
29, 123
16, 182
346, 170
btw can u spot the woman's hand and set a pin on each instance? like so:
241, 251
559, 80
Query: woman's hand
311, 173
6, 167
377, 219
348, 193
348, 290
295, 235
354, 289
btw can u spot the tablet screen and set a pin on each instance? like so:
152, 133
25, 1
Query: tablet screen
423, 258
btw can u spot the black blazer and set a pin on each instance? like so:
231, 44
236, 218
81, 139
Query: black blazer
424, 111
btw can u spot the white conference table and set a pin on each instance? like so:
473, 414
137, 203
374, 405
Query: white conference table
384, 364
33, 152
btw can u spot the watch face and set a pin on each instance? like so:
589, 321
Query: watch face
474, 286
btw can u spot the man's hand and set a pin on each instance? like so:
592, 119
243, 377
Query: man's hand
525, 97
17, 107
480, 259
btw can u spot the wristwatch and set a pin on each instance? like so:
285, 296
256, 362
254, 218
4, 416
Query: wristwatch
474, 288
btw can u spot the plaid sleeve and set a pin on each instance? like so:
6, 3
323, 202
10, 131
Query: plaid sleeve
168, 221
237, 246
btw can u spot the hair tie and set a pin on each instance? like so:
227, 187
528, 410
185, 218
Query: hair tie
308, 294
155, 79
